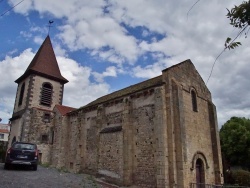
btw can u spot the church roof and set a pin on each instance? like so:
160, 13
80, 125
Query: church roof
131, 89
44, 64
187, 65
64, 109
156, 81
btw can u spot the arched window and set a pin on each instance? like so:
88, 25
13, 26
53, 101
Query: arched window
194, 101
21, 95
46, 94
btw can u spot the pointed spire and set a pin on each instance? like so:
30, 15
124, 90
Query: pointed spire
44, 64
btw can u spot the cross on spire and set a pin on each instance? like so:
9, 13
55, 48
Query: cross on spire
49, 25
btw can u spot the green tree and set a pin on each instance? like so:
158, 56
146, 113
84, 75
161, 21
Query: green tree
235, 141
239, 18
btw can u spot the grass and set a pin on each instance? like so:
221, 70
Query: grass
46, 165
63, 169
90, 181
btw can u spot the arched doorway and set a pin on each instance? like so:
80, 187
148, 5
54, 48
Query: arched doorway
200, 173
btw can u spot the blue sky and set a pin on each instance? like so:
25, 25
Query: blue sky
105, 45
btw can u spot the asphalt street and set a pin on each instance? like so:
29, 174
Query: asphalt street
21, 177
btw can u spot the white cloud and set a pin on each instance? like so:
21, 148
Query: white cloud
59, 50
87, 26
11, 69
78, 89
106, 33
150, 70
100, 33
38, 39
110, 71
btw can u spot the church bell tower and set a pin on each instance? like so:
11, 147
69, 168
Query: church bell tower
39, 89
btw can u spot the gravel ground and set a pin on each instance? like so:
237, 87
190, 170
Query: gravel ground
46, 178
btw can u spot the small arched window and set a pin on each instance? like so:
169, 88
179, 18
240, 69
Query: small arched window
194, 101
20, 101
46, 94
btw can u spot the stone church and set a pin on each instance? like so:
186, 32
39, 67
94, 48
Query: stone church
158, 133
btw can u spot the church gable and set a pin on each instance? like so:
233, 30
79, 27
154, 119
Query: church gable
186, 75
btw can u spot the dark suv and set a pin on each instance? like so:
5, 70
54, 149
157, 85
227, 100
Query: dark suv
22, 153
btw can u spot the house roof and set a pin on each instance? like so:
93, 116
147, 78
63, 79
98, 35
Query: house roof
64, 109
44, 64
4, 131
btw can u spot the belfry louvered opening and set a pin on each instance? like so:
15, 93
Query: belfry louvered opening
21, 95
46, 94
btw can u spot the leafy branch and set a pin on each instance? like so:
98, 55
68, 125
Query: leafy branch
229, 44
239, 17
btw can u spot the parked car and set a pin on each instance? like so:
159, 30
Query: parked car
22, 153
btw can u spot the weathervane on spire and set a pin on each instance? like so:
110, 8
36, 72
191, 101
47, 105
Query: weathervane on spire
49, 25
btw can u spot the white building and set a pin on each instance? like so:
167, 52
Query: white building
4, 132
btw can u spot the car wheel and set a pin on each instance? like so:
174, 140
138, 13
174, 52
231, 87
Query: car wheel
6, 166
34, 167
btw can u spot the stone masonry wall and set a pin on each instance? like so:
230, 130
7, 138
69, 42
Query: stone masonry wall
40, 133
144, 140
57, 143
62, 129
194, 135
72, 157
92, 143
111, 155
198, 133
148, 138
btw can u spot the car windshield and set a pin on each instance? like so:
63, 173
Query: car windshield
24, 146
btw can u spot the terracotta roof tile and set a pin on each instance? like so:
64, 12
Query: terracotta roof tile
44, 63
4, 131
64, 109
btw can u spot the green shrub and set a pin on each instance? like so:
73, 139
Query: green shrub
2, 156
3, 148
46, 165
241, 177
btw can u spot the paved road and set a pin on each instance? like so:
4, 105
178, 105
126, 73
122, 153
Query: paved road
46, 178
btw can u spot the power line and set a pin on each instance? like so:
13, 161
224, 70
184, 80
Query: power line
227, 47
10, 8
192, 7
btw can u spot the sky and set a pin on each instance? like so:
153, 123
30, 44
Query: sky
105, 45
